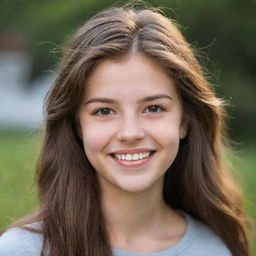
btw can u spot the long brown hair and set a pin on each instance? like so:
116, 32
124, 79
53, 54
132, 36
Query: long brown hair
197, 182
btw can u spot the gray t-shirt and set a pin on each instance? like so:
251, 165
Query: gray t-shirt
198, 240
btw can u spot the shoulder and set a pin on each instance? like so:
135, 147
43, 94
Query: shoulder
20, 242
204, 240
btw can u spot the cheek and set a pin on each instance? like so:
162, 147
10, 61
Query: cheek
167, 130
169, 142
94, 138
167, 135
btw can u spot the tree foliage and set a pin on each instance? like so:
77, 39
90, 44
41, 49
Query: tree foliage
222, 32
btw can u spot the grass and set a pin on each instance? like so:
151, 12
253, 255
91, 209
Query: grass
17, 163
18, 152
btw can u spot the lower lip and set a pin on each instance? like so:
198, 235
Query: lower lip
133, 163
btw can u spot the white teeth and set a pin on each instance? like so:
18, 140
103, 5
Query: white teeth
129, 157
135, 157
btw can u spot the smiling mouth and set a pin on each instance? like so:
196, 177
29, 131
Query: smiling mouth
132, 157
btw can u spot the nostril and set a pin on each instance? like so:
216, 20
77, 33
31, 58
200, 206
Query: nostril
130, 133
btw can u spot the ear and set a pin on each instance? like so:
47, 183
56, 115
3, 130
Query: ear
183, 129
79, 131
78, 128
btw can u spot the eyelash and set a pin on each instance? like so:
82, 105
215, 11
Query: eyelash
100, 109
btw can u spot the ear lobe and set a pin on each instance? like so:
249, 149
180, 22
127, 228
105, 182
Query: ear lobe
79, 130
183, 130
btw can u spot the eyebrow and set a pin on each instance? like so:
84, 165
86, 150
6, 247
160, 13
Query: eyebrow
113, 101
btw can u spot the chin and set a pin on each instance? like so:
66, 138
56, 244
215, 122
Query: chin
133, 189
136, 186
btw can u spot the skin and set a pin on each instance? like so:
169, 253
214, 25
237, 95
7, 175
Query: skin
138, 220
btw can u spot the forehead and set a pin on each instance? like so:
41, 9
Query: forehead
132, 75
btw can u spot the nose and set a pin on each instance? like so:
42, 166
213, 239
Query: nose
130, 129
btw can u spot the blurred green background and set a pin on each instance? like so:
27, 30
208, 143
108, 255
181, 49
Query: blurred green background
223, 33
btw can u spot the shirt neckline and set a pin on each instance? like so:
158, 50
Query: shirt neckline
174, 250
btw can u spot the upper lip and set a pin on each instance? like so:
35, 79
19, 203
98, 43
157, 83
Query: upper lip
132, 151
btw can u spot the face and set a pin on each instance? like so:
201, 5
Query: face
130, 123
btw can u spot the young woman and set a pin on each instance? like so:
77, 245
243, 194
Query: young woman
131, 161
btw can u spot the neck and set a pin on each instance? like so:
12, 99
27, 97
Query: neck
133, 214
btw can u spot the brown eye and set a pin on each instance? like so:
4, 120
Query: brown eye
154, 109
103, 112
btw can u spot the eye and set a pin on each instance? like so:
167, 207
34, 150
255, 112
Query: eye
103, 112
154, 109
